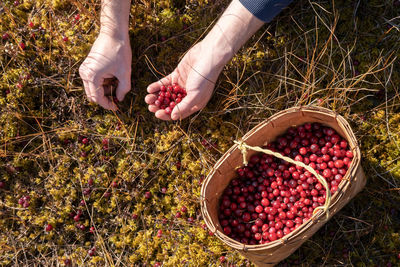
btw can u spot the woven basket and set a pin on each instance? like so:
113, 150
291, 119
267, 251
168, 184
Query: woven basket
224, 171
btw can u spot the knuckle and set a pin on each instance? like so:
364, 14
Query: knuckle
87, 73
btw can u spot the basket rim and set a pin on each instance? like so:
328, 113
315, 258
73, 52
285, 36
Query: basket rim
316, 218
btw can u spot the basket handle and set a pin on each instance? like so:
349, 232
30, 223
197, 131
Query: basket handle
244, 147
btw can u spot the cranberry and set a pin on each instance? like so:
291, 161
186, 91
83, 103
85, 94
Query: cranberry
92, 251
5, 36
159, 233
147, 195
48, 227
22, 45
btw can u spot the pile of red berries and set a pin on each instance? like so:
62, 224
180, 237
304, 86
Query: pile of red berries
169, 96
270, 197
24, 201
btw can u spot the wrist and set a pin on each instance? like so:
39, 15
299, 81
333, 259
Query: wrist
117, 34
216, 47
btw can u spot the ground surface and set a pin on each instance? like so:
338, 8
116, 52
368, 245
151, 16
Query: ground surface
337, 54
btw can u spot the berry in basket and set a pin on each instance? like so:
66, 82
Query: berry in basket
271, 197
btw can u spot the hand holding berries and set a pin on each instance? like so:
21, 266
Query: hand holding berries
197, 73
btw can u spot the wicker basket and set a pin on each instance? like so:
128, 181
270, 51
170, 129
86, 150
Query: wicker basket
225, 170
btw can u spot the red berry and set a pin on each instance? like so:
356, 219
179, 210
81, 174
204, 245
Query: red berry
303, 151
159, 233
183, 209
105, 141
92, 251
222, 259
2, 185
22, 45
5, 36
48, 227
327, 173
147, 195
349, 154
77, 217
85, 141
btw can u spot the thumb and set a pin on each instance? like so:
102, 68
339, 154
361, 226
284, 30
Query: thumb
188, 106
124, 86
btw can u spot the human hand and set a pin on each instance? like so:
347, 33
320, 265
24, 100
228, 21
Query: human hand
197, 72
109, 57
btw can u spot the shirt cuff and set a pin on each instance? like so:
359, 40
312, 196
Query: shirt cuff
265, 10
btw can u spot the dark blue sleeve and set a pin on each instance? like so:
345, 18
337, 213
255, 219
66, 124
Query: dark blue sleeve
265, 10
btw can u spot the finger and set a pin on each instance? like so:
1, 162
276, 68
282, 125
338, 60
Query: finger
97, 94
123, 88
87, 91
162, 115
155, 87
153, 108
188, 106
150, 99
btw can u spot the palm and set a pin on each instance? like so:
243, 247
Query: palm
197, 75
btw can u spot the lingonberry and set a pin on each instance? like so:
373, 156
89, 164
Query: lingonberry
92, 251
159, 233
222, 259
22, 45
147, 195
48, 227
